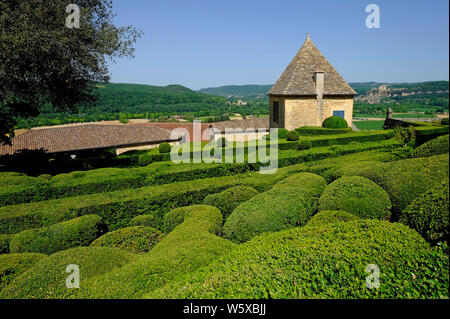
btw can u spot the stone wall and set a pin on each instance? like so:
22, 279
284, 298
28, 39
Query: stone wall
331, 104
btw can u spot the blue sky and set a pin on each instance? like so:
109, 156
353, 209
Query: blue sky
205, 43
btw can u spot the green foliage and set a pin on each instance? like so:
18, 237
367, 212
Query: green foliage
292, 136
230, 198
274, 210
348, 169
328, 216
317, 130
436, 146
405, 180
80, 231
4, 243
164, 148
406, 135
12, 265
282, 133
326, 261
313, 183
145, 159
136, 239
144, 220
336, 122
174, 218
191, 245
303, 145
47, 278
358, 196
445, 121
429, 214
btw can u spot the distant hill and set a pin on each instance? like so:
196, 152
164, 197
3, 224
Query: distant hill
239, 91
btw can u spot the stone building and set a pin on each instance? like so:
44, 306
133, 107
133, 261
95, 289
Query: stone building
309, 91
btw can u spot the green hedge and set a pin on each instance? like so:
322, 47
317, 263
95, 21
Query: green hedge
191, 245
47, 278
327, 261
274, 210
4, 243
12, 265
317, 130
164, 148
144, 220
305, 180
436, 146
135, 239
145, 159
175, 217
80, 231
292, 136
358, 196
328, 217
405, 180
349, 169
335, 122
429, 214
229, 199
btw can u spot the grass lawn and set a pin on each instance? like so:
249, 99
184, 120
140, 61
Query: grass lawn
369, 125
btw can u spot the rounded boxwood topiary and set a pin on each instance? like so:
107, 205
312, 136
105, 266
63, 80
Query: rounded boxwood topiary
274, 210
282, 133
350, 169
144, 220
4, 243
164, 148
12, 265
305, 180
135, 239
328, 216
435, 146
292, 136
356, 195
79, 231
303, 144
174, 218
429, 214
335, 122
144, 159
47, 278
229, 199
318, 262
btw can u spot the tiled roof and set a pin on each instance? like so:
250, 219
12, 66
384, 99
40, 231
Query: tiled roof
174, 125
83, 137
298, 78
256, 123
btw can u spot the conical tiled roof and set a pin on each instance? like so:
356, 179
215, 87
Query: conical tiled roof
298, 78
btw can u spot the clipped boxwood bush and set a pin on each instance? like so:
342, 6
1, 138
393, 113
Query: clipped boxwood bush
144, 159
47, 278
191, 245
317, 130
429, 214
292, 136
164, 148
174, 218
135, 239
303, 144
334, 122
329, 216
328, 261
274, 210
148, 220
350, 169
230, 198
356, 195
436, 146
4, 243
305, 180
79, 231
12, 265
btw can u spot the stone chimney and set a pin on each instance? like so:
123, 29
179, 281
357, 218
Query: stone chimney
389, 113
319, 83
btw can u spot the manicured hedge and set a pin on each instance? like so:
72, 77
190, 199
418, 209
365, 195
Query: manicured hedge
164, 148
358, 196
230, 198
80, 231
349, 169
135, 239
191, 245
4, 243
317, 130
175, 217
274, 210
429, 214
144, 220
144, 159
308, 181
12, 265
327, 261
335, 122
292, 136
436, 146
47, 278
405, 180
328, 216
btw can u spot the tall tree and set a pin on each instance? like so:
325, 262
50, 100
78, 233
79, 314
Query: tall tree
45, 63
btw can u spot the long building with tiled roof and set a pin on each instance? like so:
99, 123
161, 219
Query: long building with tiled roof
73, 138
309, 91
